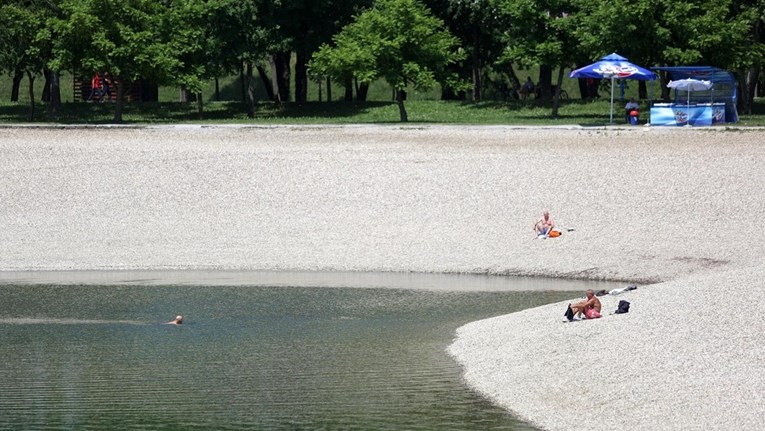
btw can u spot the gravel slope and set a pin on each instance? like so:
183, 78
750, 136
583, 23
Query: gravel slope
678, 208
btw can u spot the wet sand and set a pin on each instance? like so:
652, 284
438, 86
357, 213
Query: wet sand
674, 210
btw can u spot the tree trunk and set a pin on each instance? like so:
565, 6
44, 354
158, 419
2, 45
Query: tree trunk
556, 96
217, 90
361, 92
476, 66
400, 97
752, 77
183, 95
329, 90
200, 105
31, 116
266, 82
642, 90
46, 87
301, 76
281, 66
242, 86
349, 91
545, 82
120, 105
276, 95
584, 91
17, 77
250, 93
514, 81
665, 92
54, 107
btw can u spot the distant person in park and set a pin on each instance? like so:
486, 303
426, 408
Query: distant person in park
590, 307
96, 90
106, 87
177, 321
527, 88
631, 106
544, 225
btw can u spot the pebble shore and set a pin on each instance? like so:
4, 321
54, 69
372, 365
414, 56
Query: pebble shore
677, 211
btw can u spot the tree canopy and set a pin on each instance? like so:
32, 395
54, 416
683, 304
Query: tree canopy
412, 44
398, 40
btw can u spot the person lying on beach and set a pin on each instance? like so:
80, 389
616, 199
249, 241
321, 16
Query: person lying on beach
590, 307
544, 225
178, 320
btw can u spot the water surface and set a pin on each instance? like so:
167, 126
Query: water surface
257, 357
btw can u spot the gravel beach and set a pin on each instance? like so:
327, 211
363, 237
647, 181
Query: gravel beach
677, 211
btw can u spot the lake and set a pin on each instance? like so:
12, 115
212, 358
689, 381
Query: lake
291, 354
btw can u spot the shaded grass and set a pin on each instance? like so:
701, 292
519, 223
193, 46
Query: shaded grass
514, 112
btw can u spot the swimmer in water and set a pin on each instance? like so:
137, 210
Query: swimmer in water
178, 320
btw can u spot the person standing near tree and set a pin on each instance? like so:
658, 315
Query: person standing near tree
95, 87
528, 88
105, 88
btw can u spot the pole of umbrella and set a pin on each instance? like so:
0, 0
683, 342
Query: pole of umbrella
611, 120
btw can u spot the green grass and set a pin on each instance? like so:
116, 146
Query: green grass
585, 113
423, 107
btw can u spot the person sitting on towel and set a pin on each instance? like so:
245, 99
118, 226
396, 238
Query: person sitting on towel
590, 307
544, 225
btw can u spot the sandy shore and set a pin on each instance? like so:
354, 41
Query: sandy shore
677, 209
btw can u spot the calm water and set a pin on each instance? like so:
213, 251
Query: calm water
98, 357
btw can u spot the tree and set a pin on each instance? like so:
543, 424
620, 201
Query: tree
479, 29
540, 33
195, 42
726, 34
24, 50
723, 34
307, 24
399, 40
247, 35
121, 37
633, 28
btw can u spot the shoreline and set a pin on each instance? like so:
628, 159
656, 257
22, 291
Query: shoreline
654, 204
443, 282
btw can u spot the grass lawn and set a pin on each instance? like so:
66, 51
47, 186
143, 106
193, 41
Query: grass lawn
585, 113
423, 108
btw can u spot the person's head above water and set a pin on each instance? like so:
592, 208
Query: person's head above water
178, 320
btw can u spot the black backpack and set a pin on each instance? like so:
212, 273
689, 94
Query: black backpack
569, 313
623, 307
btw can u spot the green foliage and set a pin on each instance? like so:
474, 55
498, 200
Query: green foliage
122, 37
398, 40
22, 47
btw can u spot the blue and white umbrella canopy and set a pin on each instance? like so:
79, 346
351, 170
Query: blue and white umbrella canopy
613, 66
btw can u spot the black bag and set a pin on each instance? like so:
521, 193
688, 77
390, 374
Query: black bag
569, 313
623, 307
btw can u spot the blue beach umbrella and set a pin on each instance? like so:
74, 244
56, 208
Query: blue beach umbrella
613, 66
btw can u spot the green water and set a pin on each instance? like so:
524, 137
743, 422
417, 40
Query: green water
299, 358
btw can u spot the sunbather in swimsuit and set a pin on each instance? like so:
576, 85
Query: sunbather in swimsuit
590, 307
544, 225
